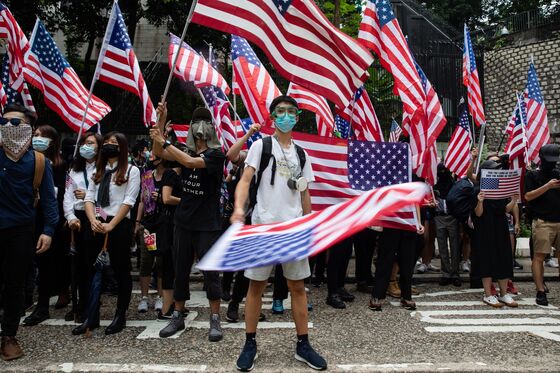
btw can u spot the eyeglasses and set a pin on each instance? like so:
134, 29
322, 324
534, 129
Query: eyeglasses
282, 110
13, 121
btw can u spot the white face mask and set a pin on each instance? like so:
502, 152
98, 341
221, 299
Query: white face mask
16, 139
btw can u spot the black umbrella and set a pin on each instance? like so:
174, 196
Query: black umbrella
101, 262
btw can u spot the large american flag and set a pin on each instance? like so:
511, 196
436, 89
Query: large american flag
362, 117
251, 81
458, 155
499, 184
64, 93
16, 49
472, 81
118, 66
380, 31
192, 67
317, 104
12, 96
395, 132
538, 133
243, 247
303, 46
423, 137
516, 146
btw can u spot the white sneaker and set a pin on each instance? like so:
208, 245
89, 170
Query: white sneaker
508, 301
421, 268
158, 305
465, 266
143, 305
551, 263
432, 268
493, 301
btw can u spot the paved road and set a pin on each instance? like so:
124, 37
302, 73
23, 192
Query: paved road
451, 331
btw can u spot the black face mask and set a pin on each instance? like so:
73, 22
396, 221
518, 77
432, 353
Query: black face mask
153, 164
110, 150
547, 166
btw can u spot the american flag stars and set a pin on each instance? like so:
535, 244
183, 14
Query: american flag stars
241, 48
47, 52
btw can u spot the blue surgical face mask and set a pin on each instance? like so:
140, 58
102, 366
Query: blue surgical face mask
285, 123
88, 152
41, 143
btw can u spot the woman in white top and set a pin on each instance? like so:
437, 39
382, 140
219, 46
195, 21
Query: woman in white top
113, 190
77, 182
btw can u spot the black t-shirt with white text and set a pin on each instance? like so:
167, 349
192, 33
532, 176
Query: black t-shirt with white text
199, 209
547, 206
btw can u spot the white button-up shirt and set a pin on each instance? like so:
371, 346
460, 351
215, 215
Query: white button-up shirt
124, 194
76, 181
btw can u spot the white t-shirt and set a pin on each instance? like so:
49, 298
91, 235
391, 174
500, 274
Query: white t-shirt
278, 203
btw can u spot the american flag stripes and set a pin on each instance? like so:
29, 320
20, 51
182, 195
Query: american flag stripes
458, 156
217, 103
303, 46
181, 131
516, 146
472, 81
362, 117
396, 131
538, 133
243, 247
3, 96
428, 168
24, 97
380, 31
251, 80
16, 49
117, 64
499, 184
317, 104
64, 93
192, 67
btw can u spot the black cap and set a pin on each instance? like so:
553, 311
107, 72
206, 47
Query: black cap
201, 113
489, 165
550, 153
282, 98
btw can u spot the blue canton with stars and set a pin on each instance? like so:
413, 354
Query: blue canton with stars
241, 48
342, 126
377, 164
468, 44
384, 11
44, 47
119, 36
533, 88
14, 97
464, 120
423, 77
282, 5
246, 124
3, 7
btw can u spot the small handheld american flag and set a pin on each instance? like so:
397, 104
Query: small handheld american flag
500, 184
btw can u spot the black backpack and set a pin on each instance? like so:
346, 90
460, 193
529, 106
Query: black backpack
461, 200
265, 159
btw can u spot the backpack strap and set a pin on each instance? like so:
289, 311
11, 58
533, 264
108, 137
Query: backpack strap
38, 175
266, 154
301, 156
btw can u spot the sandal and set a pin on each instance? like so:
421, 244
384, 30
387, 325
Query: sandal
408, 304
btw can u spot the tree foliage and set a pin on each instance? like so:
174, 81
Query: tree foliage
347, 14
457, 12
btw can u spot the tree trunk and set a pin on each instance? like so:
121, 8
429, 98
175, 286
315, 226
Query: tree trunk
336, 13
87, 58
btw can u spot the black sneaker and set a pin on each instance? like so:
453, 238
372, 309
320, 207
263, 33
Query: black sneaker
176, 324
246, 360
345, 295
37, 316
334, 301
445, 281
517, 265
457, 282
305, 353
541, 299
364, 287
232, 314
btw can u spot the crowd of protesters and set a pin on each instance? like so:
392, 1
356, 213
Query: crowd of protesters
60, 215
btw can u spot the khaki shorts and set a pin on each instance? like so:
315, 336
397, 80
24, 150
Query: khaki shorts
545, 236
294, 271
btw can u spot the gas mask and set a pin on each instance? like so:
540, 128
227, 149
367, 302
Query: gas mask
202, 130
298, 183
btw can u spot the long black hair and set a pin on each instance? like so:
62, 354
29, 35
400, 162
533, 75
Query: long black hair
122, 164
53, 151
80, 162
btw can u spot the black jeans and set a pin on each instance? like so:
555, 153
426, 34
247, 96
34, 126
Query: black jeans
338, 257
186, 245
84, 260
53, 268
16, 254
364, 247
118, 246
402, 244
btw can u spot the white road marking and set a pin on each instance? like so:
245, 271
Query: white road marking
104, 367
522, 302
407, 367
451, 292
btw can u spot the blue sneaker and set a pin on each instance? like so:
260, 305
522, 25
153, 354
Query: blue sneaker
305, 353
277, 306
246, 360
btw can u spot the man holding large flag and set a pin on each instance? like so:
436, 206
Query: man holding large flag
282, 175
